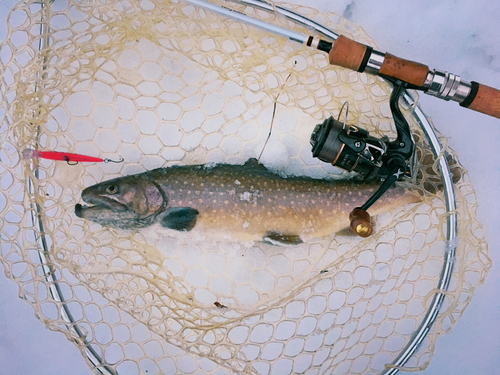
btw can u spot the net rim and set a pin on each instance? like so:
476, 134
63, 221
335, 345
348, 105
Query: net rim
436, 148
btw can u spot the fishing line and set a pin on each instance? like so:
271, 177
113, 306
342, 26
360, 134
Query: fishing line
273, 116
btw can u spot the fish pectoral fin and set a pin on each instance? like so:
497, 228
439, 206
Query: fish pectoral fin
180, 218
287, 239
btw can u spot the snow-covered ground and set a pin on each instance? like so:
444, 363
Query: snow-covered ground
460, 36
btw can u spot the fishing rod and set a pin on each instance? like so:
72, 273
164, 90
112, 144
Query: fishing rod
356, 56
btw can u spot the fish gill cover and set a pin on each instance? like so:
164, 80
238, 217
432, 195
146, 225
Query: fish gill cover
162, 83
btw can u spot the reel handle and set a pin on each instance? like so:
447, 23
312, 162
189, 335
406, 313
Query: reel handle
357, 56
359, 217
361, 222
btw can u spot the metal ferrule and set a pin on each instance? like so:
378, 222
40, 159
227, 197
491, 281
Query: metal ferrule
315, 43
447, 86
375, 62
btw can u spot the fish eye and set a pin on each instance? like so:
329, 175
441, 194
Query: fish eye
112, 189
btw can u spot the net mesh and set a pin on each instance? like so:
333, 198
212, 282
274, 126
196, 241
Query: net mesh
160, 83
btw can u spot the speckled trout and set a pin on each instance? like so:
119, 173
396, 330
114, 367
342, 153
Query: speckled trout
249, 201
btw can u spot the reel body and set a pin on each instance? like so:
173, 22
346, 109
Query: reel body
349, 147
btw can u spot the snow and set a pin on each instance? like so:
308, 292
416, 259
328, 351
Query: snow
455, 35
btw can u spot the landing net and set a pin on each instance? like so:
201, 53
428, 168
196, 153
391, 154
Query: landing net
161, 83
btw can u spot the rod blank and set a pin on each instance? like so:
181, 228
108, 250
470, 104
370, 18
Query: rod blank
277, 30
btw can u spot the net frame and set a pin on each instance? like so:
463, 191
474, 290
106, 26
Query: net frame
46, 262
451, 230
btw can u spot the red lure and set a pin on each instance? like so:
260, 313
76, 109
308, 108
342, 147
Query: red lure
65, 156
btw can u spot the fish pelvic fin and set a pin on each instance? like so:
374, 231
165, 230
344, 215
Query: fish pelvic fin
180, 218
283, 238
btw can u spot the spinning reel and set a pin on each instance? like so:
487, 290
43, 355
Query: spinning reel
353, 149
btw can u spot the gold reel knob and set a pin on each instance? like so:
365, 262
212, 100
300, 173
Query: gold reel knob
360, 222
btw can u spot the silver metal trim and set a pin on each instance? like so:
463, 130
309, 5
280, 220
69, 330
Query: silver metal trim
315, 43
301, 20
447, 86
375, 62
429, 78
437, 81
462, 92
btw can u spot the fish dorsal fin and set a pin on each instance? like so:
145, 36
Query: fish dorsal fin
283, 238
180, 218
253, 165
252, 162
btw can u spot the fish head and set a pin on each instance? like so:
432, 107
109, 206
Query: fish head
125, 202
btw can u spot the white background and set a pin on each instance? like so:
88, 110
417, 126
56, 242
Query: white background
461, 36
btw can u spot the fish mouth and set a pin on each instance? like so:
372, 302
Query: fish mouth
113, 214
98, 205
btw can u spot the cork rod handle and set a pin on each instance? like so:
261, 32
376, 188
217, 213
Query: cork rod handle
356, 56
486, 100
353, 55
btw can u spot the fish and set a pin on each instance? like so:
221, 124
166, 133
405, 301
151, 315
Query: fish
248, 201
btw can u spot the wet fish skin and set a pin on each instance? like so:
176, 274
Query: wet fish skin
247, 200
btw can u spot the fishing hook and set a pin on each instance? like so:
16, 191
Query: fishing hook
114, 161
67, 160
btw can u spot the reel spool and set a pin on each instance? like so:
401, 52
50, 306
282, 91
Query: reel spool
348, 147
